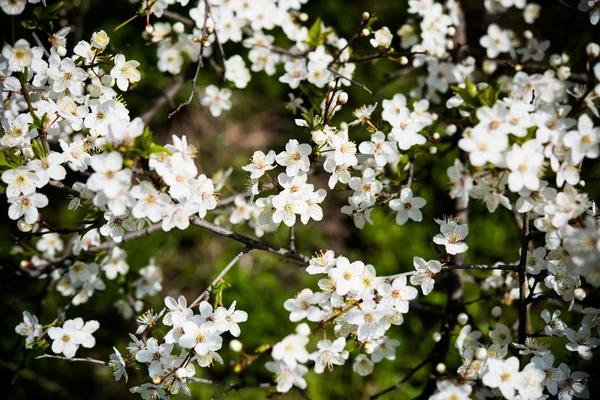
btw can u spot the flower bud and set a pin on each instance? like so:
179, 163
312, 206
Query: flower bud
178, 27
565, 58
149, 28
343, 126
180, 373
96, 91
436, 337
303, 329
563, 73
496, 311
489, 67
436, 136
365, 32
100, 40
403, 60
433, 150
450, 44
61, 51
106, 80
555, 60
580, 294
527, 34
592, 50
332, 85
582, 183
342, 98
440, 368
235, 346
366, 16
451, 129
451, 31
462, 318
481, 353
303, 17
345, 354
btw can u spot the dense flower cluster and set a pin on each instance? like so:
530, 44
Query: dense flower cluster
523, 138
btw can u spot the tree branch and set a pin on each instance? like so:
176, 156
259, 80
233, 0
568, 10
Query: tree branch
88, 359
204, 295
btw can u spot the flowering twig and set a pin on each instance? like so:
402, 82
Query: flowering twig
523, 279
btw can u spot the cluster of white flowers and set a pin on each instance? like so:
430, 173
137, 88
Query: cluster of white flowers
358, 304
523, 140
191, 338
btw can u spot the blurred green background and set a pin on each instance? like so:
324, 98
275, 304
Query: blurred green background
190, 260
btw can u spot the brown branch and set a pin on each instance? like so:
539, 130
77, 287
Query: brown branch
62, 186
406, 378
252, 243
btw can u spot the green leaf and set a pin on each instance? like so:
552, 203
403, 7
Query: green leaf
52, 8
218, 292
314, 33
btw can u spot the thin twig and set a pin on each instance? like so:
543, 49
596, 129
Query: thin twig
525, 238
406, 378
204, 295
166, 97
200, 63
88, 359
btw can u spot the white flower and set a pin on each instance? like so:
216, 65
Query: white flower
109, 178
303, 306
287, 376
425, 271
295, 157
581, 341
149, 391
178, 311
236, 71
48, 168
154, 354
347, 276
362, 365
584, 141
67, 339
150, 202
115, 264
322, 263
383, 38
328, 355
448, 390
226, 320
525, 163
30, 328
378, 147
20, 181
119, 366
125, 72
202, 339
500, 335
27, 205
407, 207
503, 374
13, 7
496, 41
260, 164
291, 350
397, 294
452, 236
217, 100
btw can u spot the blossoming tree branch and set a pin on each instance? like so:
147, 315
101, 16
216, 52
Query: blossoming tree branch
519, 126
